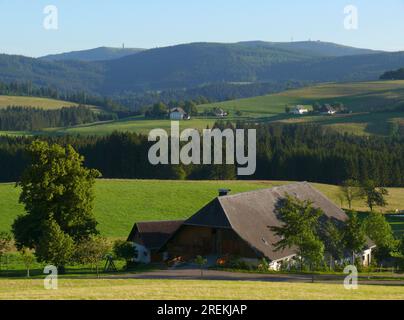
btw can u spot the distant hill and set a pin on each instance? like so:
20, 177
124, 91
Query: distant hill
196, 64
64, 75
97, 54
346, 68
316, 48
200, 63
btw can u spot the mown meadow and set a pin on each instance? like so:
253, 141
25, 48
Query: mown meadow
36, 102
130, 289
121, 203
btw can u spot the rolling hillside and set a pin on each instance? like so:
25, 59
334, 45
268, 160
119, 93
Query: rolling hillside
97, 54
120, 203
358, 96
365, 99
195, 64
43, 103
63, 75
320, 48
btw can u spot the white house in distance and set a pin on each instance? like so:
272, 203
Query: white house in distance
220, 113
179, 114
328, 110
299, 110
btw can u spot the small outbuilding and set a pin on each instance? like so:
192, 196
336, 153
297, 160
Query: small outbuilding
149, 237
299, 110
179, 114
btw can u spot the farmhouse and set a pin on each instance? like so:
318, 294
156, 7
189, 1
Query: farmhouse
240, 225
149, 237
328, 109
179, 114
219, 113
299, 110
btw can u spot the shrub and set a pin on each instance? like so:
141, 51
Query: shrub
124, 250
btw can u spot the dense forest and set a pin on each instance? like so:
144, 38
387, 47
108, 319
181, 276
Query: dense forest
207, 93
197, 64
393, 75
284, 152
32, 119
28, 89
129, 104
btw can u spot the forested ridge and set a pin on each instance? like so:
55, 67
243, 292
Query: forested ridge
126, 104
197, 64
284, 152
32, 119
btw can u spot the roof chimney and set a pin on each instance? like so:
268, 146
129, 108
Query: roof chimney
224, 192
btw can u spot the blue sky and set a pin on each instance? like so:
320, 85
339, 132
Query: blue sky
84, 24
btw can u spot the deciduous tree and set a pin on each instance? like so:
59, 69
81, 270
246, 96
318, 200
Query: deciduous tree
28, 258
55, 186
351, 191
354, 235
92, 251
299, 230
55, 246
373, 195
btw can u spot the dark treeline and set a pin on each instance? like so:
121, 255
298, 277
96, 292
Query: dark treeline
129, 104
28, 89
31, 119
205, 94
284, 152
393, 75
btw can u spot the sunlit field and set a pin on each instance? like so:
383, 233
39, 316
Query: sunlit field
121, 203
197, 290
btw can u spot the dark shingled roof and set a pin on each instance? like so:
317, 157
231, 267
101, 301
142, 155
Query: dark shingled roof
178, 109
252, 214
154, 235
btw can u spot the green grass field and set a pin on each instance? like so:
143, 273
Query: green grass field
191, 290
138, 125
43, 103
121, 203
363, 98
359, 97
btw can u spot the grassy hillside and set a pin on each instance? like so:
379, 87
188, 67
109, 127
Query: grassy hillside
137, 124
358, 96
365, 99
43, 103
120, 203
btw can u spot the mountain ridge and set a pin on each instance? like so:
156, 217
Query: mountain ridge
94, 54
201, 63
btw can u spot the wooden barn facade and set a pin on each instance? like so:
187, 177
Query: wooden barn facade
150, 237
241, 225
